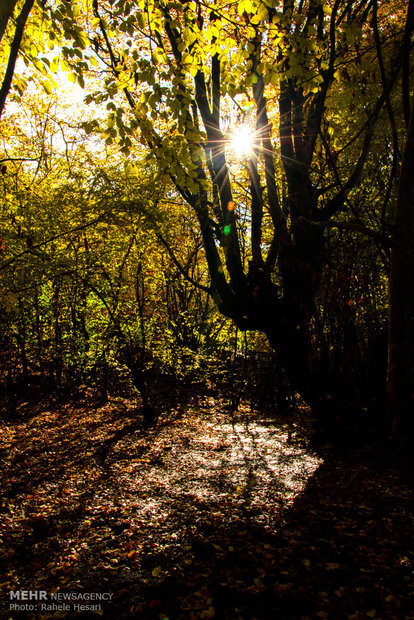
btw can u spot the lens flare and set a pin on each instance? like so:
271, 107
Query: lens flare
242, 141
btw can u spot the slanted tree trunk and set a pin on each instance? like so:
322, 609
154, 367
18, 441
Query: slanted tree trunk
6, 11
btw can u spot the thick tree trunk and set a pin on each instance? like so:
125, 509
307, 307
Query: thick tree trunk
400, 380
295, 257
286, 317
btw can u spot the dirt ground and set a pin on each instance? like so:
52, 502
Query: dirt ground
210, 514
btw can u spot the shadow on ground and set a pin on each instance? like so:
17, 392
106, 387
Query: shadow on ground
209, 515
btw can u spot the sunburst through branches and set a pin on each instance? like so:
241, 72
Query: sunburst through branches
242, 141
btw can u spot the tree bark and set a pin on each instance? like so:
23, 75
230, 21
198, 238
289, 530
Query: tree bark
6, 11
400, 380
14, 51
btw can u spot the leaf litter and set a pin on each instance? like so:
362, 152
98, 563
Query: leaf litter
211, 514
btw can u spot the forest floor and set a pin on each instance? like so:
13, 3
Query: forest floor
210, 514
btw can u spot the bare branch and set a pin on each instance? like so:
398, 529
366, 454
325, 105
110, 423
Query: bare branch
180, 268
36, 246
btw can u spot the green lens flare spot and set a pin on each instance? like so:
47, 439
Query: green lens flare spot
227, 229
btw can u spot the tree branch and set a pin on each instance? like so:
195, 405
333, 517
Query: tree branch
317, 107
409, 27
180, 268
114, 61
263, 131
379, 237
385, 88
14, 51
337, 201
14, 258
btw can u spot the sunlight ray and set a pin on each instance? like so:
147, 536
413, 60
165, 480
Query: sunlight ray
242, 141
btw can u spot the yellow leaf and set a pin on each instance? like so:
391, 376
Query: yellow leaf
332, 565
157, 571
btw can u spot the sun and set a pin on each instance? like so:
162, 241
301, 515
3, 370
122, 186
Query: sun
242, 141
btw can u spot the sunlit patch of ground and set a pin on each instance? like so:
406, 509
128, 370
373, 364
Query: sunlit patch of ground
210, 461
210, 514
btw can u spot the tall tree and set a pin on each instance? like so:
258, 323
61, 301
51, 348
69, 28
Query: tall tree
180, 67
400, 385
299, 75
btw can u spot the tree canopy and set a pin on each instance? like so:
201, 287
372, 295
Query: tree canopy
268, 134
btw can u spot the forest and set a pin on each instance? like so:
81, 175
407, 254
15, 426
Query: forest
207, 309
